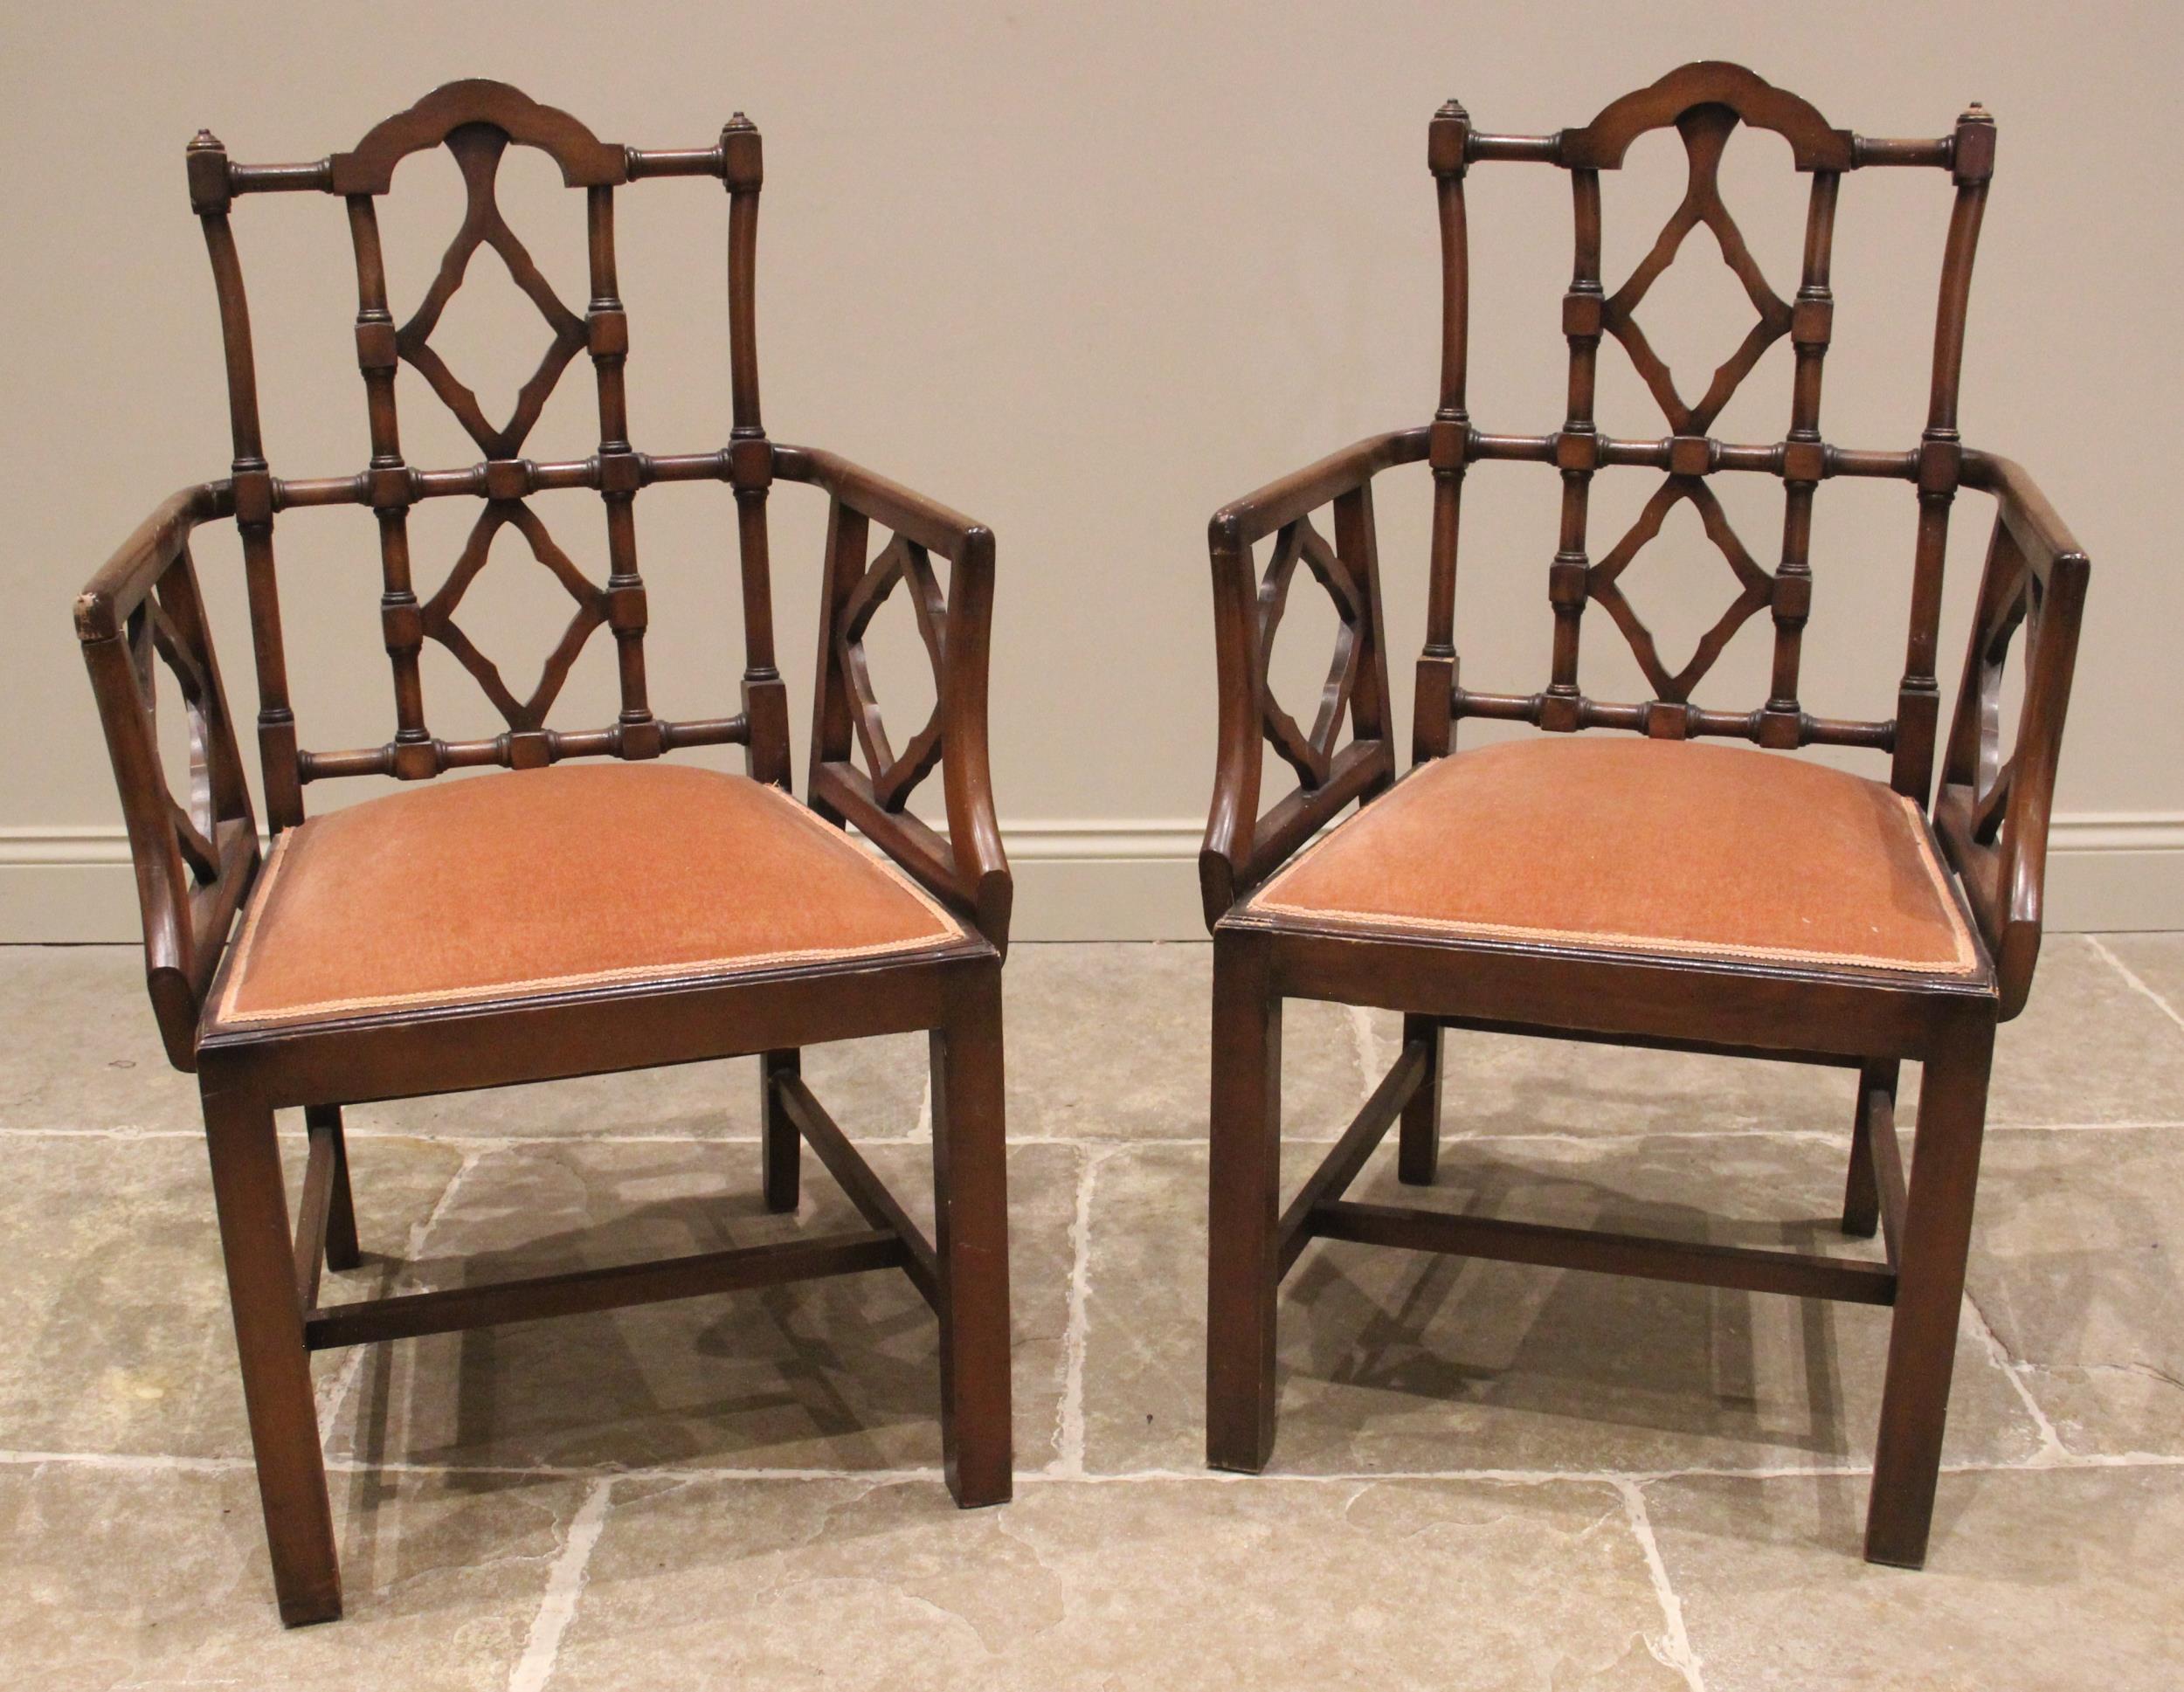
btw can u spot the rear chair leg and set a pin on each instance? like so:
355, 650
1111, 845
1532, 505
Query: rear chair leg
971, 1240
1929, 1297
1861, 1193
1245, 1177
341, 1249
261, 1283
780, 1147
1418, 1145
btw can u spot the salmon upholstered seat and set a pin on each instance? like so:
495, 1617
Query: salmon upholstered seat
1642, 846
545, 881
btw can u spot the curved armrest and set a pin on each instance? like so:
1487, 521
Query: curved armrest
1241, 845
1993, 811
968, 868
1283, 501
197, 854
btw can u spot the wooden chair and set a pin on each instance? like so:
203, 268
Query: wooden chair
568, 918
1651, 891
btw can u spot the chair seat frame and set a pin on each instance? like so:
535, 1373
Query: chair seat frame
197, 851
1989, 818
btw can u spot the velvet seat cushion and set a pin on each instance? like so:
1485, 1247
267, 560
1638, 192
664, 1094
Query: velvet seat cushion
1648, 845
541, 881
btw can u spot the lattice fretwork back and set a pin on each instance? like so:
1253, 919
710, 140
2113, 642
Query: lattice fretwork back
477, 122
1704, 104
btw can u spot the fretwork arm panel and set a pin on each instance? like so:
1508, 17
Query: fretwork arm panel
195, 852
1998, 789
1243, 841
477, 121
1704, 103
863, 573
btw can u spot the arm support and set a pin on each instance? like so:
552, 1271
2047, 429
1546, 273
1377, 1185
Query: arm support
1242, 847
195, 854
1993, 811
967, 868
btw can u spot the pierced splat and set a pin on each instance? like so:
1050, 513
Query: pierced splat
478, 148
1706, 130
900, 560
1706, 105
437, 615
478, 122
1310, 755
1603, 584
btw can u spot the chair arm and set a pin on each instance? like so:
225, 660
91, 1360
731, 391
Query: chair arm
968, 868
926, 521
1257, 515
1243, 846
196, 855
1993, 811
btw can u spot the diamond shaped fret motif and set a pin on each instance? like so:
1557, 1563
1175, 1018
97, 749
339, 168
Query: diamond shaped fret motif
1309, 754
1997, 775
1706, 130
478, 148
153, 637
437, 614
1602, 584
901, 561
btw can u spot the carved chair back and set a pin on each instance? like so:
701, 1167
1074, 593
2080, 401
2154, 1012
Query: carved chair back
478, 122
1704, 103
194, 843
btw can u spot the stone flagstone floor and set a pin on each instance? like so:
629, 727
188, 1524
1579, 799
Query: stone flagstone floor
1487, 1475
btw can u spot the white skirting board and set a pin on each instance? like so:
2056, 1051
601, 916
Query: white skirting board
2107, 871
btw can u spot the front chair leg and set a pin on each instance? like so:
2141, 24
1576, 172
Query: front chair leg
1862, 1191
1929, 1296
342, 1251
780, 1147
252, 1202
1245, 1177
972, 1241
1418, 1145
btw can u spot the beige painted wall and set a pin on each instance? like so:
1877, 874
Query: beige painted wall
1085, 273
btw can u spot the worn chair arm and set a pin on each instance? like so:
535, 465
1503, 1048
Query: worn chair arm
1994, 807
1243, 846
195, 855
968, 868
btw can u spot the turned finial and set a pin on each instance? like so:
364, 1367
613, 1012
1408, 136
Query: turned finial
206, 160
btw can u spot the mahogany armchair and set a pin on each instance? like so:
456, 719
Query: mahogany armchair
1652, 891
589, 907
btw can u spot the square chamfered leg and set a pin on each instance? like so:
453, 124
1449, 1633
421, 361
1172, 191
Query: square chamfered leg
1861, 1189
971, 1239
1243, 1277
252, 1204
1418, 1144
1930, 1295
781, 1147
